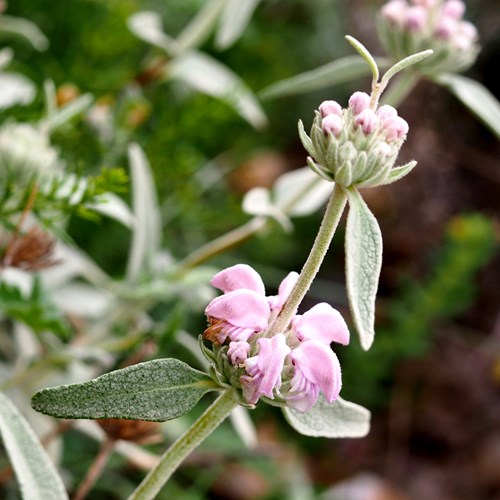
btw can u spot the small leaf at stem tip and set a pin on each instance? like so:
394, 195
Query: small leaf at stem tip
365, 54
405, 63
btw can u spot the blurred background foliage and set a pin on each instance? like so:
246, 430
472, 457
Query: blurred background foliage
438, 325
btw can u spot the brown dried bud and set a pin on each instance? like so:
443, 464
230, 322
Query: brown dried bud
137, 431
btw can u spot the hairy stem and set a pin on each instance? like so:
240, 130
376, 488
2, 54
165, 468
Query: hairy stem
185, 444
329, 224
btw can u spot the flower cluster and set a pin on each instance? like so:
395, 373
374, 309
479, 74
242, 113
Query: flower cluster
357, 145
290, 367
406, 28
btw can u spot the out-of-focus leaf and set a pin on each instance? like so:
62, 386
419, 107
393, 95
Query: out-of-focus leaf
113, 206
205, 74
6, 56
34, 470
234, 19
258, 202
301, 192
339, 71
398, 173
475, 96
62, 115
157, 390
147, 225
363, 243
15, 89
200, 27
340, 419
25, 28
148, 26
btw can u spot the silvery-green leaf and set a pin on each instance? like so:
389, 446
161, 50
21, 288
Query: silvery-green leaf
113, 206
475, 96
148, 26
340, 419
397, 173
147, 226
363, 243
156, 391
200, 27
258, 202
34, 470
306, 140
15, 89
207, 75
25, 28
301, 192
339, 71
234, 19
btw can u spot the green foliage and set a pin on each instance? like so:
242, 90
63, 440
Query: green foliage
36, 310
450, 288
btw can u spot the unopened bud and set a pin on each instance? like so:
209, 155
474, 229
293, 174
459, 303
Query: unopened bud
347, 152
395, 127
395, 12
332, 124
330, 108
359, 101
386, 111
367, 120
416, 18
445, 28
454, 9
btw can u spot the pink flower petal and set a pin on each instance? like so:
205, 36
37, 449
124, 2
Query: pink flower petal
322, 323
240, 276
264, 369
359, 101
317, 364
284, 290
241, 308
238, 351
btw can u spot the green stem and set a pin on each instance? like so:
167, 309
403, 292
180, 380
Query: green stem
185, 444
221, 244
329, 224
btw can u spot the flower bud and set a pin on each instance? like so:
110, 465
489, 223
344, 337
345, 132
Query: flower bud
359, 101
332, 124
386, 111
395, 128
416, 18
454, 9
395, 12
330, 108
367, 120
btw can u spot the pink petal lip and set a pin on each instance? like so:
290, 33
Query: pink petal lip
319, 365
241, 308
322, 323
240, 276
284, 290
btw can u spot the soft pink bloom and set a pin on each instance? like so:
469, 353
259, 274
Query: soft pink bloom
237, 351
237, 315
416, 18
454, 9
359, 101
424, 3
238, 277
284, 290
367, 120
264, 369
468, 30
332, 124
317, 368
445, 28
386, 111
322, 323
330, 108
395, 127
395, 11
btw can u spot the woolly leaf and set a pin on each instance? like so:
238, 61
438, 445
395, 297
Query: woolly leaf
157, 390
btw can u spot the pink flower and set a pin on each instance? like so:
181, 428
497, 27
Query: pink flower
317, 368
264, 369
386, 111
237, 351
238, 277
359, 101
395, 127
454, 9
395, 11
416, 18
367, 120
276, 302
330, 108
322, 323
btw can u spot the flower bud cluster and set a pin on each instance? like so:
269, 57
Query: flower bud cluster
290, 368
409, 27
357, 145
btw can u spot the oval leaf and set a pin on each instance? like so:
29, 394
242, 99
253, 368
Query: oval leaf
234, 19
15, 89
34, 470
476, 97
157, 390
340, 419
363, 263
207, 75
